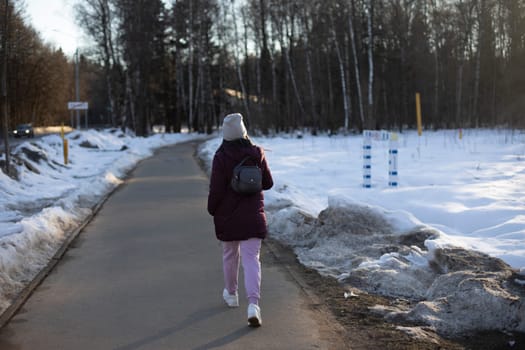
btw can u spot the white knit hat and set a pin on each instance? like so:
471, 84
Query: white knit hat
233, 128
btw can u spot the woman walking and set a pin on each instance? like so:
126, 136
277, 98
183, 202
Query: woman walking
240, 221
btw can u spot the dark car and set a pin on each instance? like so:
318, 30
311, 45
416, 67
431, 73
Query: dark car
24, 130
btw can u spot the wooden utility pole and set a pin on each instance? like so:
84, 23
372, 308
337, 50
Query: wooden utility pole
4, 86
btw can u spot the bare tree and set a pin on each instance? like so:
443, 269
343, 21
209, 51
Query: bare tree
97, 19
140, 29
284, 20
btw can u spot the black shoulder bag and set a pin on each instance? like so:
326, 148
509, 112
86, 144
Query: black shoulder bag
246, 179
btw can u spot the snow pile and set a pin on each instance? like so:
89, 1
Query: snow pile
48, 199
452, 289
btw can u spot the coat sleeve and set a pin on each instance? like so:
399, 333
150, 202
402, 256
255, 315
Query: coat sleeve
218, 180
267, 180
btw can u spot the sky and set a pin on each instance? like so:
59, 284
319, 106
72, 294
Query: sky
466, 192
54, 19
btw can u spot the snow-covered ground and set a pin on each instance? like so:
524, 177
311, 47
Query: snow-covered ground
425, 240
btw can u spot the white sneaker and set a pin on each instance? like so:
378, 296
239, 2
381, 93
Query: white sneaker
231, 300
254, 315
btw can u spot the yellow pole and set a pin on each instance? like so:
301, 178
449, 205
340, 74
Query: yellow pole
418, 113
65, 151
64, 142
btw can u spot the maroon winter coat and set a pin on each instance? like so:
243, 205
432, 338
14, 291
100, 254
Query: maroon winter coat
237, 217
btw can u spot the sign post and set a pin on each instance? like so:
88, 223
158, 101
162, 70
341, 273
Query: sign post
380, 135
392, 161
367, 159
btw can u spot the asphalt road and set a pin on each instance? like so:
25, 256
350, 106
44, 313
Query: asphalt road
146, 274
14, 141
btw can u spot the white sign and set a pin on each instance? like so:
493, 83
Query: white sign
377, 135
77, 105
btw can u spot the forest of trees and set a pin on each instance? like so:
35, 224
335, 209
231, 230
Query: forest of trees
326, 65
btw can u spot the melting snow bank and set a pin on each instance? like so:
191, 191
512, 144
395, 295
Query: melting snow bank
453, 290
47, 200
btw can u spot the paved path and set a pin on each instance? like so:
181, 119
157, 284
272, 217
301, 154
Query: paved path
146, 274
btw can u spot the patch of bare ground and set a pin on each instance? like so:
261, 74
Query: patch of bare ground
363, 328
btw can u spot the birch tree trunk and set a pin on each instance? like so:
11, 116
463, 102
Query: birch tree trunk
130, 104
308, 54
371, 119
275, 106
247, 62
436, 31
200, 100
291, 72
222, 34
477, 72
330, 84
342, 74
475, 103
459, 90
313, 111
436, 84
264, 50
356, 69
258, 85
181, 91
464, 28
275, 102
238, 65
294, 82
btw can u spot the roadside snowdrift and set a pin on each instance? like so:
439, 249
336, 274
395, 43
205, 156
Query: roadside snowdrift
47, 200
451, 289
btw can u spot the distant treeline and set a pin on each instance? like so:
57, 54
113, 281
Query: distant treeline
286, 64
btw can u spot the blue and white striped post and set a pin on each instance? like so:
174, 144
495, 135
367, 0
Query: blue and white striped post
367, 159
392, 161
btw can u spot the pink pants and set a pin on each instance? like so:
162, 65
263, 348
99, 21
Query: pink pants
248, 251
